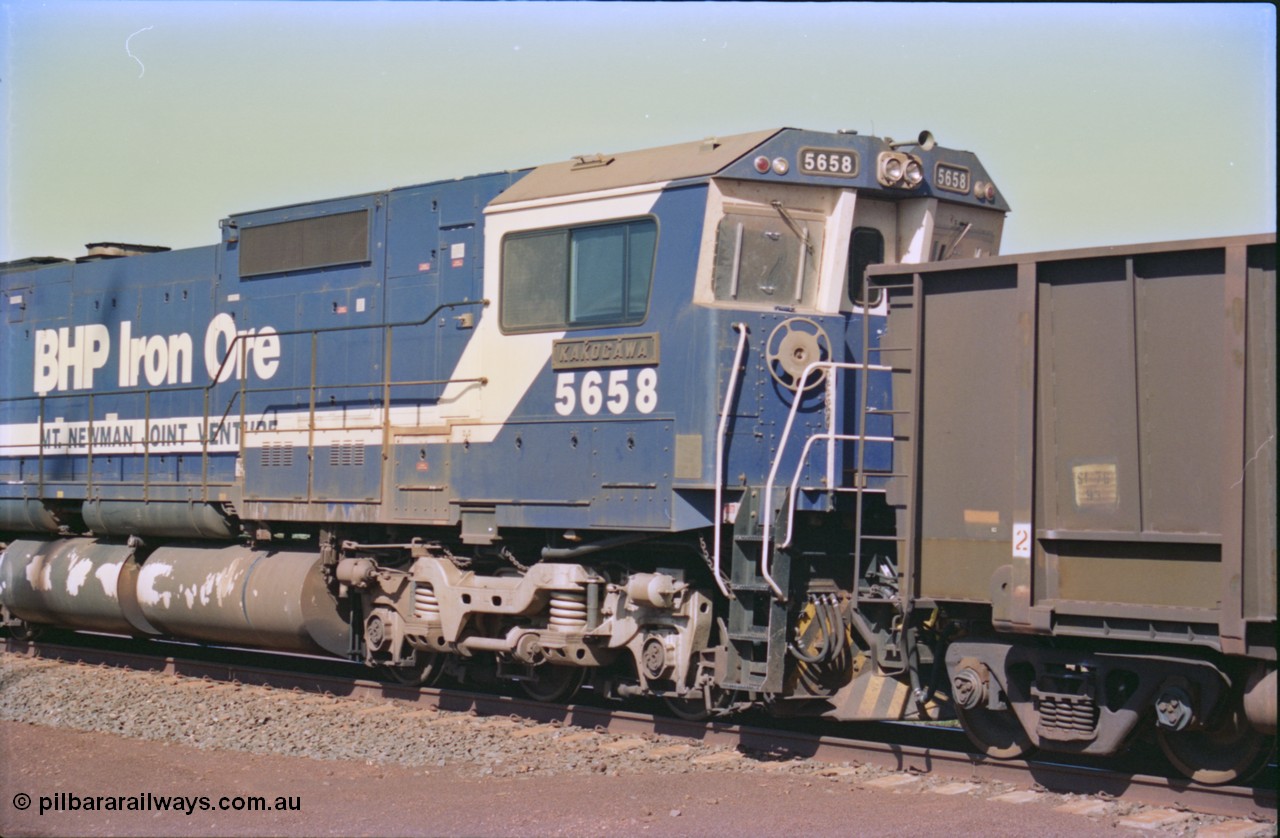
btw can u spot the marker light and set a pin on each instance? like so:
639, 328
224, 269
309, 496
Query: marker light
781, 166
762, 164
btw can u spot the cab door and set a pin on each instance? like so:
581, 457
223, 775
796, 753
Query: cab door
873, 240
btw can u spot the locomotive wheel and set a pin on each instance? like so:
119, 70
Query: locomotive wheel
425, 671
695, 709
553, 684
26, 632
997, 733
1227, 751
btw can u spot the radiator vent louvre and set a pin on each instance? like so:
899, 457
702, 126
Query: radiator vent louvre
277, 454
346, 454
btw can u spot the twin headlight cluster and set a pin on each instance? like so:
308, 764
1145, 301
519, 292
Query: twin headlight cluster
900, 170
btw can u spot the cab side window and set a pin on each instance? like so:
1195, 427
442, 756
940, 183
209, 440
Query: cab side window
578, 277
866, 247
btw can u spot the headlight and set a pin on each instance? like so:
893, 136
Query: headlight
896, 168
891, 169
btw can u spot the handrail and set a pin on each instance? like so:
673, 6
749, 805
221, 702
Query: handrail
795, 479
244, 390
863, 413
721, 434
829, 396
146, 394
331, 330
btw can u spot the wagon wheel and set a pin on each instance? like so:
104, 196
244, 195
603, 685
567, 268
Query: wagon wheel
423, 672
997, 733
1227, 750
793, 345
553, 684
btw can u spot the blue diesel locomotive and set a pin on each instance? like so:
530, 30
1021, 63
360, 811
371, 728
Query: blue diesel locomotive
651, 419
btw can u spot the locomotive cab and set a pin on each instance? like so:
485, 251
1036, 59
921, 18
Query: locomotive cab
780, 246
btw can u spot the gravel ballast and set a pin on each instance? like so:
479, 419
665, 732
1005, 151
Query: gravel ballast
258, 719
429, 745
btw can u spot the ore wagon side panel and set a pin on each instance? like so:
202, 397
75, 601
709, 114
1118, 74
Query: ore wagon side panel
968, 417
1259, 469
1088, 439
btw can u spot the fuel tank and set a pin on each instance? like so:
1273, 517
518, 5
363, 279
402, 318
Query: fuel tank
77, 583
232, 594
216, 593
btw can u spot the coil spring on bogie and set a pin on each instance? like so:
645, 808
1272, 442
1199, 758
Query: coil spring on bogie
568, 610
426, 608
1067, 716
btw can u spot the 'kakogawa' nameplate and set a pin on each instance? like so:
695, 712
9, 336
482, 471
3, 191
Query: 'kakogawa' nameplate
617, 351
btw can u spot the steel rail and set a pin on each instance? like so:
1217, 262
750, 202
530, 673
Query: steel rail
308, 674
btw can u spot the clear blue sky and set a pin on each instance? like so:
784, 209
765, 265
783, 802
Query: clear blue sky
146, 122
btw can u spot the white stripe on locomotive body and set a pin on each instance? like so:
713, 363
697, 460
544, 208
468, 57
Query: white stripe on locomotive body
919, 218
184, 434
835, 254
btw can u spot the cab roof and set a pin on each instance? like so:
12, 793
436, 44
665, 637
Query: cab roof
592, 173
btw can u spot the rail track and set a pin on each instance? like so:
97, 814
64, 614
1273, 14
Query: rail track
923, 749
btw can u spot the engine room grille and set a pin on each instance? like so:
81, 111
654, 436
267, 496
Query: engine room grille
346, 454
305, 243
277, 454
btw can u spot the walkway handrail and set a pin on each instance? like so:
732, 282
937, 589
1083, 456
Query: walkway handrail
721, 434
767, 510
